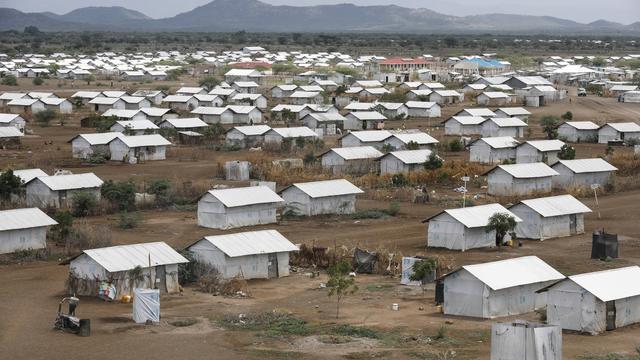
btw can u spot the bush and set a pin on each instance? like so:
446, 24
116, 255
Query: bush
567, 152
209, 82
98, 157
128, 220
309, 158
83, 204
10, 185
399, 180
412, 145
59, 233
456, 145
43, 118
9, 80
83, 236
121, 195
163, 191
567, 116
433, 162
37, 81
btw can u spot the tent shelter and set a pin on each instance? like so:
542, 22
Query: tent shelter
158, 261
58, 191
250, 255
520, 179
582, 172
464, 228
23, 229
238, 207
498, 288
596, 302
321, 197
550, 217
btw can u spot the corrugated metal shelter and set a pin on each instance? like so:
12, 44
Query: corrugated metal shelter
133, 149
464, 228
23, 229
492, 150
582, 173
618, 131
596, 302
550, 217
250, 255
83, 146
511, 126
399, 140
463, 125
246, 136
27, 175
134, 127
357, 160
578, 131
403, 161
533, 151
498, 288
238, 207
58, 191
321, 197
159, 263
277, 135
329, 123
520, 179
373, 138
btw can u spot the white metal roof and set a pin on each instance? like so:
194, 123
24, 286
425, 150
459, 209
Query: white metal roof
448, 93
477, 216
367, 115
144, 140
121, 113
583, 125
104, 100
419, 137
294, 132
10, 131
500, 142
209, 110
304, 94
528, 171
420, 104
514, 111
556, 205
479, 112
360, 106
27, 175
186, 123
99, 138
137, 124
52, 101
495, 94
24, 219
177, 98
189, 90
22, 102
546, 145
508, 122
509, 273
71, 181
587, 165
155, 111
132, 99
327, 117
251, 243
370, 135
611, 284
625, 127
468, 120
253, 130
411, 156
239, 109
127, 257
246, 196
357, 152
246, 84
318, 189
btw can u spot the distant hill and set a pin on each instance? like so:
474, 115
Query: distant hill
257, 16
101, 15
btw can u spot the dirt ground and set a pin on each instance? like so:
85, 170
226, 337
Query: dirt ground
29, 292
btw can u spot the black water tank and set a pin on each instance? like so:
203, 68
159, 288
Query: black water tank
85, 327
604, 245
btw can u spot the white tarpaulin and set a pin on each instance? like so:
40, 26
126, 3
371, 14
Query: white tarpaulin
523, 340
146, 305
407, 270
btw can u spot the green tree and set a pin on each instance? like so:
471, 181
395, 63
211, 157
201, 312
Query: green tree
60, 232
412, 145
550, 126
10, 185
32, 30
37, 81
567, 116
43, 118
567, 152
209, 82
422, 270
9, 80
340, 284
433, 162
502, 224
121, 195
162, 189
83, 204
456, 145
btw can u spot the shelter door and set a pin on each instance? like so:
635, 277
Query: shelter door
272, 266
161, 278
572, 223
611, 315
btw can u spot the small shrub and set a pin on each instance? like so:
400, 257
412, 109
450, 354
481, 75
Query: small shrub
399, 180
433, 162
43, 118
567, 152
128, 220
83, 236
98, 157
9, 80
121, 195
83, 204
567, 116
412, 145
37, 81
456, 145
309, 158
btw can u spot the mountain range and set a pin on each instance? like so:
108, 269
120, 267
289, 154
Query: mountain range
257, 16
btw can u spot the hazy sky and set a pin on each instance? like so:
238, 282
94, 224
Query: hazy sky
624, 11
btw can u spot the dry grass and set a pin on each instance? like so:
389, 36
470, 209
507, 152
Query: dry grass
627, 163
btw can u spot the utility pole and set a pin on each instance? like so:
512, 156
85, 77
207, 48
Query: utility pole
595, 193
465, 179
